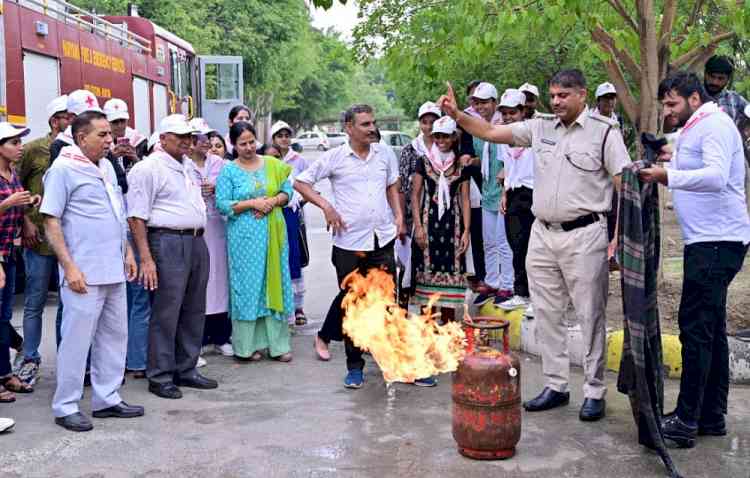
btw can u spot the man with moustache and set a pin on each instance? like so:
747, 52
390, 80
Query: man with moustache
707, 179
716, 78
578, 157
167, 217
368, 217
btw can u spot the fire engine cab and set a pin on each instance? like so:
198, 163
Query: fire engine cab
51, 47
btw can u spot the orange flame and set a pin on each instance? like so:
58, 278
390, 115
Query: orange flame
405, 346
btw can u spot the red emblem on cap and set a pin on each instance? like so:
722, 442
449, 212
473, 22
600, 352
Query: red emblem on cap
90, 101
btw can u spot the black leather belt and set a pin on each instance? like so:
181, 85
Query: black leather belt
576, 223
180, 232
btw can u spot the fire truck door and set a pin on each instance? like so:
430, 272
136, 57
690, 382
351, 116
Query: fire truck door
142, 106
221, 88
41, 85
160, 104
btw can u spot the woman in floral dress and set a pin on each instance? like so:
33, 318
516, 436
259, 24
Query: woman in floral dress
441, 213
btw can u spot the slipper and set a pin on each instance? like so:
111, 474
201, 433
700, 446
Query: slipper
6, 396
299, 317
287, 357
6, 424
322, 352
17, 386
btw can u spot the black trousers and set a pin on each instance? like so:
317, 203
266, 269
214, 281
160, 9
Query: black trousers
477, 243
709, 269
217, 330
346, 262
518, 222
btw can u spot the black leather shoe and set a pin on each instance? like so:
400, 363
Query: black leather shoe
592, 410
76, 422
716, 429
164, 390
678, 431
197, 381
121, 410
546, 400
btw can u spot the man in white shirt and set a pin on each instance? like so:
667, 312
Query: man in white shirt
606, 100
517, 200
365, 220
707, 178
167, 218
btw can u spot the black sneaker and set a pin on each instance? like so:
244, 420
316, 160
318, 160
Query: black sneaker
715, 429
682, 434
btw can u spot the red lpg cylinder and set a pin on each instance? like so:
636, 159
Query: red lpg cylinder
487, 394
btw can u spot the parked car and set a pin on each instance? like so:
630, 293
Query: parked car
320, 140
397, 140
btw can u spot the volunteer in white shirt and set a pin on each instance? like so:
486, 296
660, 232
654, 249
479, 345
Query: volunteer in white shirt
167, 216
707, 178
517, 200
365, 220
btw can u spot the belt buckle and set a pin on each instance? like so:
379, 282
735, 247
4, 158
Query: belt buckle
553, 226
195, 232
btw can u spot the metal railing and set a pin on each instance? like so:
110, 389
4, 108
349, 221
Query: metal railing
108, 29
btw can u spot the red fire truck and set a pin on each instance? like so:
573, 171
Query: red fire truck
51, 47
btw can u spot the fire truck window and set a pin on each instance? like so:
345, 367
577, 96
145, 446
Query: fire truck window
222, 81
181, 78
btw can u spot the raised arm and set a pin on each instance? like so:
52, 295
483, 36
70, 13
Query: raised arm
474, 126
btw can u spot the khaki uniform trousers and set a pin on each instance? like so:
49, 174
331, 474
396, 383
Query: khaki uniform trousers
566, 267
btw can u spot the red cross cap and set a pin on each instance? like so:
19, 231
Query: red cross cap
90, 101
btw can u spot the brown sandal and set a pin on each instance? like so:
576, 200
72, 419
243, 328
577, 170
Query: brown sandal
299, 317
15, 385
6, 396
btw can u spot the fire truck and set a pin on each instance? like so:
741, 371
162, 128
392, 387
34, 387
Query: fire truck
52, 47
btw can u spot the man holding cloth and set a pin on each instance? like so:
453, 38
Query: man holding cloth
707, 178
85, 225
167, 218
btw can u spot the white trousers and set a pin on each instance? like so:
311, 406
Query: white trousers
97, 320
498, 256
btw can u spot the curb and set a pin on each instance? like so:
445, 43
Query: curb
523, 337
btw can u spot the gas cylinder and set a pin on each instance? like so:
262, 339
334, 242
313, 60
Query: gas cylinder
487, 393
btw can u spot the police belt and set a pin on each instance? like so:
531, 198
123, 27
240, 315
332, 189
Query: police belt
197, 232
576, 223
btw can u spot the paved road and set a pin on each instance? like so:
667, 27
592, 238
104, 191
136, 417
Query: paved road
270, 419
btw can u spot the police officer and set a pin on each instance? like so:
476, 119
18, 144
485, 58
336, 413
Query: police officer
578, 157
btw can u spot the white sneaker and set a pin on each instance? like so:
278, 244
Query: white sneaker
207, 349
6, 424
515, 302
529, 312
201, 362
225, 350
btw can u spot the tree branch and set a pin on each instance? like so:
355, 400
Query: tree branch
620, 8
667, 23
697, 51
604, 39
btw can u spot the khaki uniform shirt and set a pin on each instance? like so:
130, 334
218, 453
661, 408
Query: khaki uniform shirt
571, 179
30, 170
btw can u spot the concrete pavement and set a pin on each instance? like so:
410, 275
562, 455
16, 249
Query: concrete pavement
270, 419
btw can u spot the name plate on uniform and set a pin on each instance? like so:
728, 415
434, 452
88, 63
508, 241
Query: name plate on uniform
548, 141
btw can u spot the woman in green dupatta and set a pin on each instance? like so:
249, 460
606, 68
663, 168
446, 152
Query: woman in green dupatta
251, 192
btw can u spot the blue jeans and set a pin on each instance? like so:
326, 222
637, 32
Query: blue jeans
6, 313
139, 314
39, 270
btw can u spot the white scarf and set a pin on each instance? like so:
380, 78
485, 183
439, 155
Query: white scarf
419, 145
73, 157
441, 162
497, 118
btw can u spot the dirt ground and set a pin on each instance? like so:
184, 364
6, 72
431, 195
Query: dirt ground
738, 303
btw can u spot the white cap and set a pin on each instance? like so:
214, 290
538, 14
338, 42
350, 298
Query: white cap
445, 125
747, 111
8, 130
116, 109
58, 105
80, 101
529, 88
485, 91
429, 108
152, 140
605, 89
201, 126
175, 124
280, 125
512, 98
